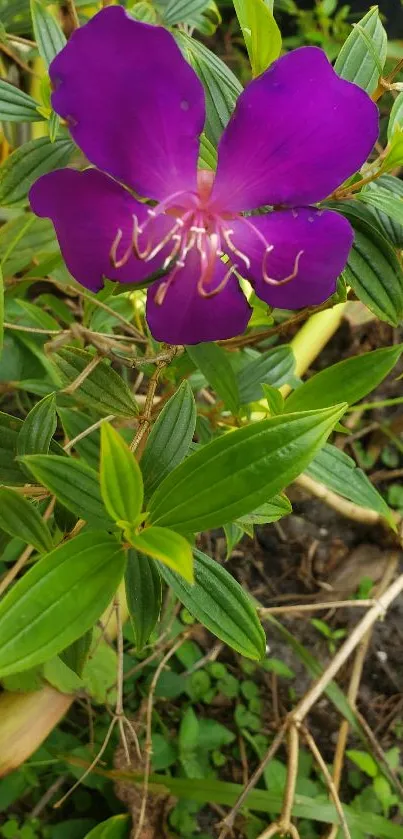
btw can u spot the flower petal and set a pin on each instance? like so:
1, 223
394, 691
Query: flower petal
323, 239
134, 105
297, 133
87, 209
184, 317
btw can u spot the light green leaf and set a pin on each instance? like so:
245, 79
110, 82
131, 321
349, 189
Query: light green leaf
237, 472
103, 389
170, 438
17, 106
117, 827
143, 595
1, 312
168, 547
362, 57
272, 510
121, 479
261, 33
73, 483
60, 597
27, 163
349, 380
396, 116
274, 399
48, 34
221, 605
213, 362
364, 761
20, 518
61, 677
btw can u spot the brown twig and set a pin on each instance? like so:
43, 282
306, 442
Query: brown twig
148, 743
315, 607
145, 421
336, 502
17, 60
329, 781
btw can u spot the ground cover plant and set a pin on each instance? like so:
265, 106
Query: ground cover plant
201, 233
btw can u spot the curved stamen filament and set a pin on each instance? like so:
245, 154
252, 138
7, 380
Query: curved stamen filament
226, 234
272, 281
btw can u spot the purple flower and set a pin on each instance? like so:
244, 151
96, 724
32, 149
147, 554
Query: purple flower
136, 109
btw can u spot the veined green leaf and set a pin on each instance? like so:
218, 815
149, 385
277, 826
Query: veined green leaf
363, 55
48, 34
349, 380
180, 11
143, 595
220, 604
390, 228
274, 367
60, 597
261, 33
170, 438
39, 428
239, 471
20, 518
121, 479
213, 362
27, 163
17, 106
272, 510
168, 547
103, 389
73, 483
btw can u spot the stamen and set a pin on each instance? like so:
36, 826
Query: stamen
227, 233
272, 281
202, 291
118, 263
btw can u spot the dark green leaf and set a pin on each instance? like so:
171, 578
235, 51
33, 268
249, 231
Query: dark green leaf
10, 470
239, 471
143, 594
221, 86
27, 163
362, 57
179, 11
385, 201
48, 34
103, 389
221, 604
17, 106
1, 311
38, 428
20, 518
390, 229
121, 479
73, 483
117, 827
60, 597
213, 362
170, 438
348, 380
274, 367
75, 655
339, 472
74, 423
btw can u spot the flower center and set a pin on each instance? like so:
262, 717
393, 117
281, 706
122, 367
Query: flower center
184, 222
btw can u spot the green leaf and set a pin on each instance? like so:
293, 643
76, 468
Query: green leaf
73, 483
117, 827
1, 312
338, 471
27, 163
38, 428
179, 11
48, 34
75, 655
103, 389
121, 479
272, 510
396, 116
373, 269
207, 154
168, 547
59, 598
17, 106
213, 362
384, 200
20, 518
170, 438
74, 423
362, 57
364, 761
221, 86
10, 471
347, 380
391, 229
61, 677
260, 31
274, 367
143, 595
240, 470
274, 399
221, 605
